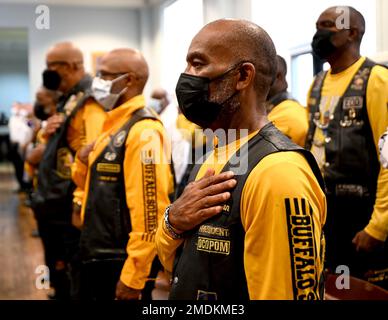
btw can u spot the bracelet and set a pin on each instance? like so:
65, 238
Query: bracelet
168, 227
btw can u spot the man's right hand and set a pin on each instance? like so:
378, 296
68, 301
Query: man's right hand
201, 200
76, 216
53, 123
83, 153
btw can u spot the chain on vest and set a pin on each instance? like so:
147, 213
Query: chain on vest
210, 263
107, 217
351, 166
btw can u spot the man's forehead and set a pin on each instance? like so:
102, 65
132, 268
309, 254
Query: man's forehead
329, 15
55, 55
111, 63
208, 44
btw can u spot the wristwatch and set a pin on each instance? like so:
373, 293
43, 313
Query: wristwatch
169, 228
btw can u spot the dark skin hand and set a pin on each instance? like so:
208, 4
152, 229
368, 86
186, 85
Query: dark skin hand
83, 153
201, 200
53, 123
364, 242
126, 293
76, 217
35, 155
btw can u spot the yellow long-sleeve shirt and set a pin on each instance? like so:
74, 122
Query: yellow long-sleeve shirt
145, 136
84, 128
290, 117
334, 87
86, 125
278, 178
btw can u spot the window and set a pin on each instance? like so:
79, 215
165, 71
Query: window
291, 24
181, 21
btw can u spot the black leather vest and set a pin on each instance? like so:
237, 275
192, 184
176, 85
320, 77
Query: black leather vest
211, 267
55, 188
352, 164
107, 217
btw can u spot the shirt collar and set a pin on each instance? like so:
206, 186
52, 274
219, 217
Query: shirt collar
125, 110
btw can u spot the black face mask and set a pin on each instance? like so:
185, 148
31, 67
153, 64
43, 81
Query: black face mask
322, 45
51, 79
193, 98
40, 111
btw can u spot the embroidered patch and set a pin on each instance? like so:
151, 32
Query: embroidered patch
303, 250
119, 139
110, 156
64, 162
150, 196
210, 230
213, 245
108, 167
355, 102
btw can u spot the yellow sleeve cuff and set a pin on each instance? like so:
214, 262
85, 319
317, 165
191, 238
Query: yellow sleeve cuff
130, 277
166, 246
376, 232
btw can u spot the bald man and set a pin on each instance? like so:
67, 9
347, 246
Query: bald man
65, 74
233, 233
287, 114
126, 177
348, 115
159, 100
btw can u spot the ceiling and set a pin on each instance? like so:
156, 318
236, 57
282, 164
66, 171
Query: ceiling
90, 3
14, 41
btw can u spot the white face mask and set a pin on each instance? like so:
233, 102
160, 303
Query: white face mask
101, 91
156, 105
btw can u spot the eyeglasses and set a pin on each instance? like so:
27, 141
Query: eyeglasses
109, 75
51, 64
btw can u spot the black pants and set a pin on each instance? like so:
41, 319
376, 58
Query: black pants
99, 279
18, 163
61, 244
345, 217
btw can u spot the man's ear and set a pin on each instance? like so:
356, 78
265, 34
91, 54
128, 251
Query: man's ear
247, 75
131, 78
354, 35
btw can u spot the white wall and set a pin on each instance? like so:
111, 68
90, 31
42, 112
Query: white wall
150, 44
291, 25
382, 31
93, 29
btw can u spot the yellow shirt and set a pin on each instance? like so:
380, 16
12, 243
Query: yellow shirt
279, 178
190, 131
84, 128
86, 125
334, 87
290, 117
140, 248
